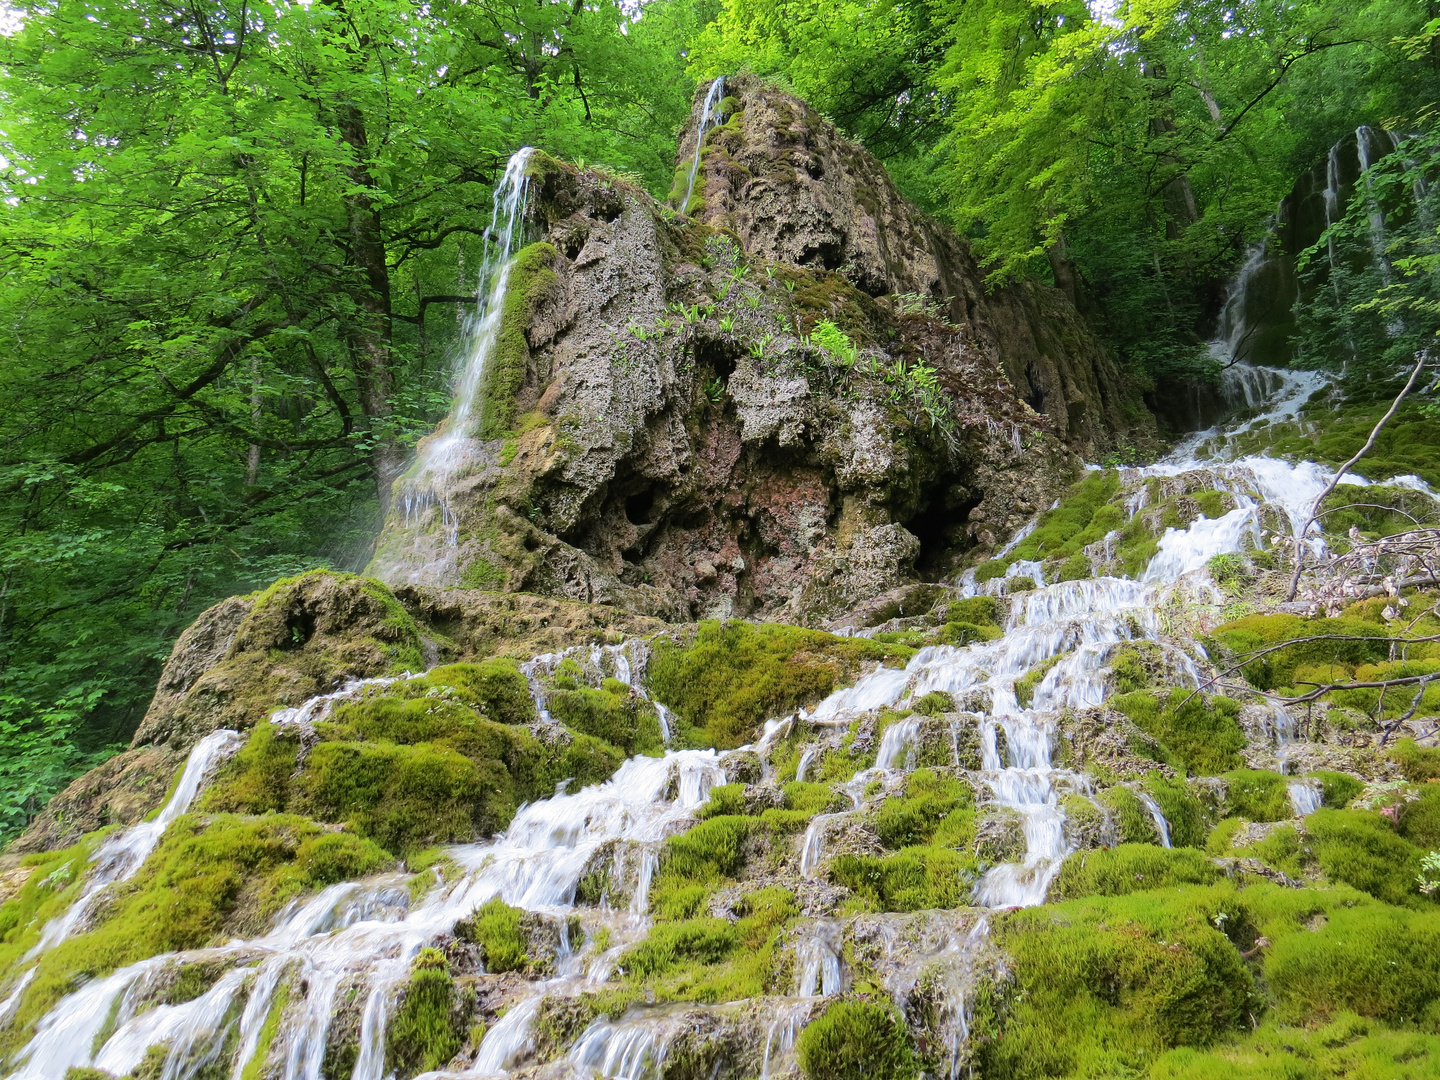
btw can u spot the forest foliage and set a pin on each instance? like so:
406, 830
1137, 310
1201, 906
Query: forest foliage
241, 239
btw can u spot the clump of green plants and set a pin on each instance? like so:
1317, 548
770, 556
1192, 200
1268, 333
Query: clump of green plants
856, 1040
1106, 983
734, 675
1364, 849
1131, 868
934, 808
1418, 763
1201, 732
497, 928
912, 879
426, 1031
1257, 795
613, 713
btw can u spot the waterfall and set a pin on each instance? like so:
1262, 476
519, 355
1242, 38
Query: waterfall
1158, 816
1305, 797
441, 456
710, 117
121, 855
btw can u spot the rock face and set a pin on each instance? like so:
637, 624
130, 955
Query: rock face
795, 191
687, 426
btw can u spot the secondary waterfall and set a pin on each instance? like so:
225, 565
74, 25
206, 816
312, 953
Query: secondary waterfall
710, 116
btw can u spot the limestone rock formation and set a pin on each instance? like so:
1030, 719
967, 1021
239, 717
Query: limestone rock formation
686, 426
794, 190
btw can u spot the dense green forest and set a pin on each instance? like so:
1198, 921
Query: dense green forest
240, 243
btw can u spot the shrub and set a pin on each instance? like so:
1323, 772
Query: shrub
1131, 868
425, 1034
856, 1040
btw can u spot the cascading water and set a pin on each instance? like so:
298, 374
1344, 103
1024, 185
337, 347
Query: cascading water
443, 455
710, 117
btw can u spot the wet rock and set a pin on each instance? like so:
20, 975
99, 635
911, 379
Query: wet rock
999, 835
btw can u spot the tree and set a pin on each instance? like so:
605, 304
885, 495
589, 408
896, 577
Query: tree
232, 268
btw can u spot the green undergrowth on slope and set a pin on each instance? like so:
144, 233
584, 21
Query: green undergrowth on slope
732, 676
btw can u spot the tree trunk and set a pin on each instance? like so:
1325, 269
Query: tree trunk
369, 337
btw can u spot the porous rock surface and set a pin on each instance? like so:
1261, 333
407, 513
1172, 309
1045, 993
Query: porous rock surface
794, 190
676, 443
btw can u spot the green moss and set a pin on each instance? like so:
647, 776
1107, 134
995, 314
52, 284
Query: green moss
268, 1030
1025, 685
1420, 819
1201, 732
1363, 849
209, 879
856, 1040
812, 799
1418, 763
964, 633
1105, 984
1082, 518
55, 881
1131, 868
1132, 821
913, 879
725, 799
671, 944
1222, 837
1376, 961
1349, 1048
614, 713
991, 569
1337, 788
1277, 669
709, 851
1257, 795
734, 675
495, 686
496, 927
930, 799
935, 703
1189, 821
1285, 850
980, 610
531, 278
413, 771
1075, 568
425, 1032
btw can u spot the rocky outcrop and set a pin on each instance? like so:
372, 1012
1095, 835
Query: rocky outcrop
695, 430
794, 190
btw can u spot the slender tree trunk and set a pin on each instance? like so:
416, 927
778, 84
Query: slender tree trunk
369, 337
252, 457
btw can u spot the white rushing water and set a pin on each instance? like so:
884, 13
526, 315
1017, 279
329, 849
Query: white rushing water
710, 116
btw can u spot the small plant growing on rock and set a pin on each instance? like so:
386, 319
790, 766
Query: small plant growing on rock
1429, 876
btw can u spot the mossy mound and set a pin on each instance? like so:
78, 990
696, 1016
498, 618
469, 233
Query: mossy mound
408, 772
731, 676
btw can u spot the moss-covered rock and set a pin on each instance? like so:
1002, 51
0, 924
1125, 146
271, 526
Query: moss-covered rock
427, 1029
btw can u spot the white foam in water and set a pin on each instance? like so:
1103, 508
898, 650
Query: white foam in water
1158, 816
